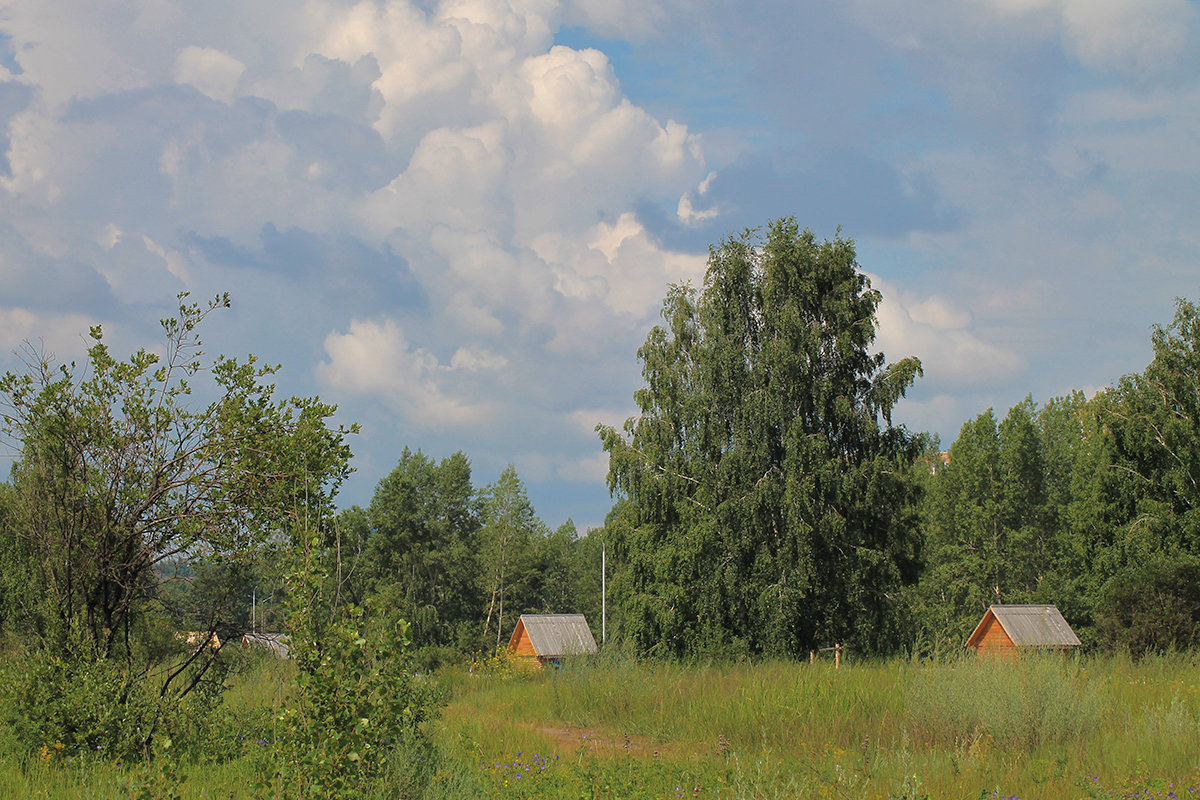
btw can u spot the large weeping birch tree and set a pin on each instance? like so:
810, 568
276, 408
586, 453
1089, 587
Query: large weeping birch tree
771, 500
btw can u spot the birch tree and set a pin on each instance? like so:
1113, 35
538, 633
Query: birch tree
772, 501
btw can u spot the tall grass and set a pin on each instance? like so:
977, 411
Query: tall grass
1017, 705
611, 727
1036, 727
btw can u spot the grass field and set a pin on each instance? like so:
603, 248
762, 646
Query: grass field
1044, 728
1037, 728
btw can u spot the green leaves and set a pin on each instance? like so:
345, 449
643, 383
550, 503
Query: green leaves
121, 469
769, 494
354, 727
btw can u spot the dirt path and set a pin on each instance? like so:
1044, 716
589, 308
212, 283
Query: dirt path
571, 738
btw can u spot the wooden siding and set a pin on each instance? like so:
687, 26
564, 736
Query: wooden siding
1011, 629
991, 637
521, 644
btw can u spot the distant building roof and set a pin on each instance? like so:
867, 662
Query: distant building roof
200, 639
1027, 626
555, 635
277, 643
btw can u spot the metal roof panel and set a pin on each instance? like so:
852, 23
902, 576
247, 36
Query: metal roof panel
1035, 626
555, 635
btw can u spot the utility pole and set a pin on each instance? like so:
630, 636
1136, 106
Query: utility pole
603, 593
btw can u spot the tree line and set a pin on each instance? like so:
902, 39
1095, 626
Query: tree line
1089, 503
764, 503
461, 563
767, 505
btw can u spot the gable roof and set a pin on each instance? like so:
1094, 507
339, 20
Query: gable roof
554, 635
1029, 626
277, 643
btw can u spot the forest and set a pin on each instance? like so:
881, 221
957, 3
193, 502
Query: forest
163, 505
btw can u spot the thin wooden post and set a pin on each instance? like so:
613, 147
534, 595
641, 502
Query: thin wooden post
812, 656
837, 656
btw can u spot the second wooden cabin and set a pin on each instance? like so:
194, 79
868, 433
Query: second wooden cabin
1009, 630
548, 638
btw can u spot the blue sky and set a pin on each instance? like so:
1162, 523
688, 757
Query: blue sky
457, 219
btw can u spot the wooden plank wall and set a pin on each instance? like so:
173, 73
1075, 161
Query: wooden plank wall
993, 639
523, 645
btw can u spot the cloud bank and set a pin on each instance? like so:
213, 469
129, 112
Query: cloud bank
458, 218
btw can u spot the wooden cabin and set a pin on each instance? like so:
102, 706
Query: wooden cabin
548, 638
277, 643
1009, 630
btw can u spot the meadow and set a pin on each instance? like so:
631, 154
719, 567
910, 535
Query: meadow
1086, 727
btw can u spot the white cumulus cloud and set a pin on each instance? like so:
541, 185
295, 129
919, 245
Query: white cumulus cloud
376, 359
941, 335
214, 73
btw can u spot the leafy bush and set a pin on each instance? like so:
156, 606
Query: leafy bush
77, 706
354, 729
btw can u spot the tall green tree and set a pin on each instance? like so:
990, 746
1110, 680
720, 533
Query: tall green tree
772, 499
420, 558
988, 539
1154, 422
511, 530
1145, 501
552, 580
1000, 518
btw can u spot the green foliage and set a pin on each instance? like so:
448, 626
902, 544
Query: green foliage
459, 563
18, 590
507, 539
120, 472
1152, 422
83, 708
986, 538
419, 558
1010, 520
1153, 607
771, 500
1092, 505
353, 727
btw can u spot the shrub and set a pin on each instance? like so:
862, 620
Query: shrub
1153, 608
354, 728
76, 706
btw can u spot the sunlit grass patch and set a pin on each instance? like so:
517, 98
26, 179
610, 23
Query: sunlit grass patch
1035, 728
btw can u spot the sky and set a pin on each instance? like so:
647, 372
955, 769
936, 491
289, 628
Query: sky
457, 219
